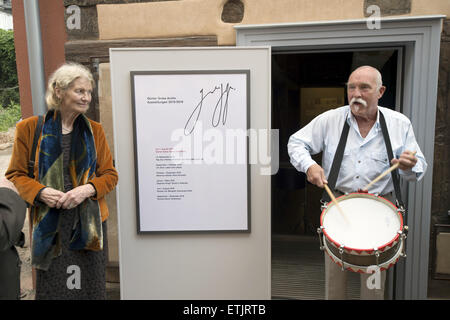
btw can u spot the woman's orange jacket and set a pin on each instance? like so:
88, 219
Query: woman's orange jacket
105, 179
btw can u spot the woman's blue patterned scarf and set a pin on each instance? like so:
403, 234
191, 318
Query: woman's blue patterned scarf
87, 229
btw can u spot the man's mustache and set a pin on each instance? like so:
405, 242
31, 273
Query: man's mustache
358, 100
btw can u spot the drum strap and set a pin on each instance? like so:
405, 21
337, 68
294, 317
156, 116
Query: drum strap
394, 173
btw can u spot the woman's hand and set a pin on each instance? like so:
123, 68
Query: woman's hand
74, 197
50, 196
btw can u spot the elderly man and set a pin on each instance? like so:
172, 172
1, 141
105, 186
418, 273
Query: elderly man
364, 156
12, 216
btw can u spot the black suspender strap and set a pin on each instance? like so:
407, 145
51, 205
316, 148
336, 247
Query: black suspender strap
394, 173
337, 160
37, 133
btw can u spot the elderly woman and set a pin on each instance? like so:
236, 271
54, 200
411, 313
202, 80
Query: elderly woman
73, 172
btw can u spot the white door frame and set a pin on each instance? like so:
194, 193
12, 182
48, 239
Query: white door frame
420, 36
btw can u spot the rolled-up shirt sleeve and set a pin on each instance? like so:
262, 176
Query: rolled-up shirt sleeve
418, 171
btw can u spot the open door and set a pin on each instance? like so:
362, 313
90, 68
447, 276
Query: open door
304, 85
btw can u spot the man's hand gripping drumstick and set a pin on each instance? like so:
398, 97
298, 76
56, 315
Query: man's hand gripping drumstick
406, 161
316, 176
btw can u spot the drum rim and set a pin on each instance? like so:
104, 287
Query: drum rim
369, 251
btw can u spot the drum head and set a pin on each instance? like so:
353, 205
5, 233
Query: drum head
372, 222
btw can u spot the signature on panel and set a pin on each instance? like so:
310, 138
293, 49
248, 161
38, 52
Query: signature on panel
220, 110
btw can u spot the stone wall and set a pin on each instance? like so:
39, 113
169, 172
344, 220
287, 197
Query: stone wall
440, 203
89, 20
389, 7
218, 17
233, 12
441, 171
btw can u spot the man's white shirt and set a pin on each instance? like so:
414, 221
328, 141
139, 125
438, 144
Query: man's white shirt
364, 158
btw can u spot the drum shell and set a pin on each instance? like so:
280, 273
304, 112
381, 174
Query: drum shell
364, 260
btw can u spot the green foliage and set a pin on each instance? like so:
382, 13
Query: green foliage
8, 69
9, 96
9, 116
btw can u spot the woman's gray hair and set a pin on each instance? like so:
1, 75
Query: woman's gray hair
62, 79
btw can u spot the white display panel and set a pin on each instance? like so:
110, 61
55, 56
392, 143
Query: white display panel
191, 265
191, 153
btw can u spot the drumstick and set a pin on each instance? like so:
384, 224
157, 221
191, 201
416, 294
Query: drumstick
336, 202
395, 166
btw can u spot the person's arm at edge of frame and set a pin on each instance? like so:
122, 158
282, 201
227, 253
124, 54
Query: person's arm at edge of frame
12, 214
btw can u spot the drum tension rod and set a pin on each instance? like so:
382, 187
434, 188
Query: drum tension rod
377, 255
341, 252
400, 208
403, 236
320, 231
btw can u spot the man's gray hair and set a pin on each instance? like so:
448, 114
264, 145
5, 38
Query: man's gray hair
378, 77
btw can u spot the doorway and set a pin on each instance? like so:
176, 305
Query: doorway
304, 85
